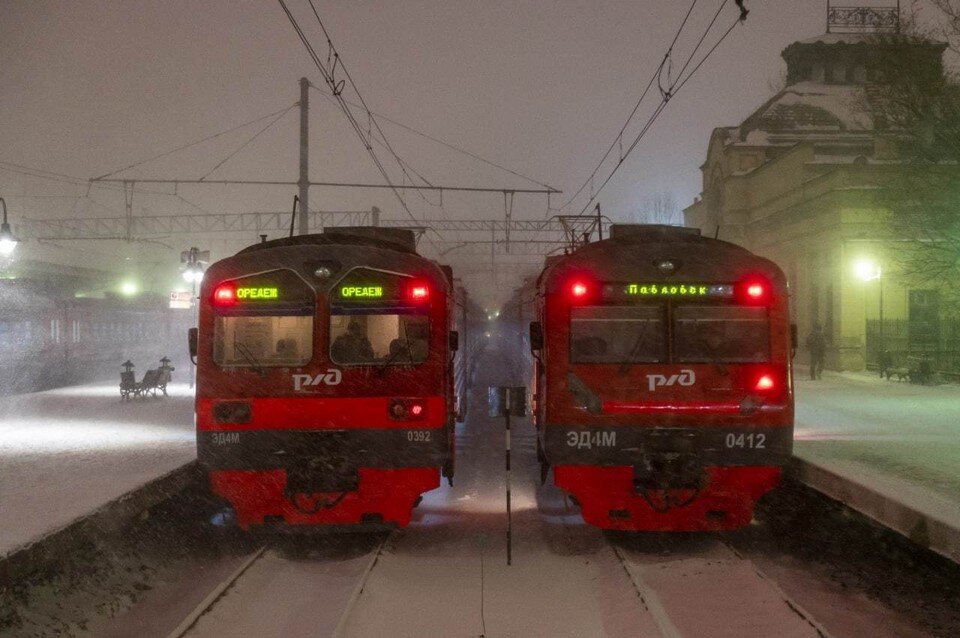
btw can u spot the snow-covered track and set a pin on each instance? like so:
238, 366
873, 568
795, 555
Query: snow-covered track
273, 593
215, 595
710, 589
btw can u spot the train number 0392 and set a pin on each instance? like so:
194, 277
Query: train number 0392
746, 441
418, 436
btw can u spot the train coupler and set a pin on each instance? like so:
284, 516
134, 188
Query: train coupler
669, 480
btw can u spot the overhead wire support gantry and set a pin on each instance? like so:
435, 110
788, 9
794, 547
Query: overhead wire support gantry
435, 187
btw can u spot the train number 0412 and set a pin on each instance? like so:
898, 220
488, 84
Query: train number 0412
746, 441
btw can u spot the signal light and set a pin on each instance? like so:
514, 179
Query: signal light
579, 290
224, 295
765, 382
406, 410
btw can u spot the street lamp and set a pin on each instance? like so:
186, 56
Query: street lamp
193, 274
8, 242
868, 270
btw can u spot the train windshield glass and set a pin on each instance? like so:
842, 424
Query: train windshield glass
617, 334
263, 340
376, 338
721, 334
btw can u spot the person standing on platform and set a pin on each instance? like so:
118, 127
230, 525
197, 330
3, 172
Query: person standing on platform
817, 345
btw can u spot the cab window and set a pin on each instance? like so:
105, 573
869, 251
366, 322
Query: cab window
720, 334
618, 334
378, 337
276, 340
265, 320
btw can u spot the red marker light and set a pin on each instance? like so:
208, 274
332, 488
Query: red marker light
579, 290
416, 409
765, 382
755, 291
418, 292
224, 295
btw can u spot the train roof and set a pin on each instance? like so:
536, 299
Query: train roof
399, 239
336, 251
634, 249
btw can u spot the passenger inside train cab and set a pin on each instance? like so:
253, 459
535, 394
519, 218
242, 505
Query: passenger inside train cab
352, 346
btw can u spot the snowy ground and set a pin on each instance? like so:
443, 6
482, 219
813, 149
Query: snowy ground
446, 575
66, 452
884, 431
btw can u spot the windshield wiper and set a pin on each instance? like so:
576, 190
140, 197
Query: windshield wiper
249, 358
635, 350
403, 346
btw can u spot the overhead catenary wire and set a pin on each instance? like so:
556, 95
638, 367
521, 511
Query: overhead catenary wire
356, 90
51, 176
618, 139
675, 88
331, 82
195, 143
436, 140
247, 143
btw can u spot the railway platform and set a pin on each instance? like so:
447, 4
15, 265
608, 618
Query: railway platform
65, 453
886, 448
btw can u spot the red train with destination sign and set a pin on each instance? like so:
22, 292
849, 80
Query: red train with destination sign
326, 380
663, 393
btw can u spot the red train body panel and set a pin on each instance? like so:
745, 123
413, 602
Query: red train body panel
663, 392
325, 379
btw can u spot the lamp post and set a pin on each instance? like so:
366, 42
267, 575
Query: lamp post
193, 274
8, 242
867, 270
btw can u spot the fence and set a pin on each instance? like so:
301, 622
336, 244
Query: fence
903, 339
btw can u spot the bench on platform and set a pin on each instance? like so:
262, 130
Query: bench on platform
154, 380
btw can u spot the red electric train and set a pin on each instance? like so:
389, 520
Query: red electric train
663, 393
325, 379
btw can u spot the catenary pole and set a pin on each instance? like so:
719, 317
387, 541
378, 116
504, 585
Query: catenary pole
509, 516
304, 182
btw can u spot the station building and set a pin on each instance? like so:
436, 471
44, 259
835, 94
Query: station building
793, 183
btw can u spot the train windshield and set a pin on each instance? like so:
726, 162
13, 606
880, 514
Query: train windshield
263, 320
721, 334
270, 341
378, 337
618, 334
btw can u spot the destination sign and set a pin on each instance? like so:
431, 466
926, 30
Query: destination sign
361, 292
257, 293
688, 289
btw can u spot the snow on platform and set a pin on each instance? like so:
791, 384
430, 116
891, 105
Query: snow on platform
446, 575
889, 449
66, 452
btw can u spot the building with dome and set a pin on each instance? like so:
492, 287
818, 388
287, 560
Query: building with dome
793, 182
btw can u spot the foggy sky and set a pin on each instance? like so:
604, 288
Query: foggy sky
89, 86
542, 87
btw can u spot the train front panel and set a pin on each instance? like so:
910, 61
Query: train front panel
665, 402
322, 396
